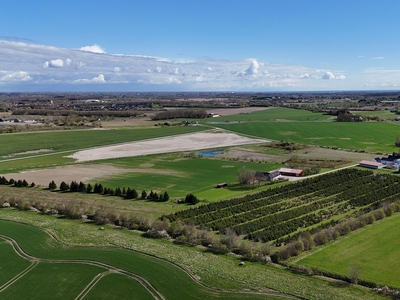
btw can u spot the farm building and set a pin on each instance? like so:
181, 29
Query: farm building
291, 172
371, 164
271, 175
392, 161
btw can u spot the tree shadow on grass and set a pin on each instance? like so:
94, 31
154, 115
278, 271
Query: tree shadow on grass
339, 284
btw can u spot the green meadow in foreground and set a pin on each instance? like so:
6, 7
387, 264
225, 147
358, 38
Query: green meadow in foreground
373, 248
222, 272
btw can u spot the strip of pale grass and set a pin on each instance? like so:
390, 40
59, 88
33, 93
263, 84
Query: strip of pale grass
214, 270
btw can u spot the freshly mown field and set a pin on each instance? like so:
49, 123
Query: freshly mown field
276, 213
373, 248
367, 136
217, 271
19, 144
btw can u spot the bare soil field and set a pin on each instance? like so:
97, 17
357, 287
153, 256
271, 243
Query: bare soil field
184, 142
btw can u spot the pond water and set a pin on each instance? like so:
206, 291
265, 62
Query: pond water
210, 153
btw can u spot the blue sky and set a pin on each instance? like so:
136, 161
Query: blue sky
252, 45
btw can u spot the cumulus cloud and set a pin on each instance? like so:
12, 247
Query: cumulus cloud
98, 79
253, 68
94, 48
328, 75
55, 63
7, 76
73, 66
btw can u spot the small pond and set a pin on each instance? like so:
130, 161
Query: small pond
210, 153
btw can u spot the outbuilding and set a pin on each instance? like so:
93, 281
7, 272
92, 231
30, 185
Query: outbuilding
371, 164
291, 172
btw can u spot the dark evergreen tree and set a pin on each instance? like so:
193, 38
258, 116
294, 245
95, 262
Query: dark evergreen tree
89, 188
81, 187
143, 195
64, 186
74, 186
52, 185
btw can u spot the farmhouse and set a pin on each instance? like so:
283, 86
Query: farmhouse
371, 164
291, 172
392, 161
271, 175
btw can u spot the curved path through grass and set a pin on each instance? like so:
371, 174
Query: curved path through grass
161, 279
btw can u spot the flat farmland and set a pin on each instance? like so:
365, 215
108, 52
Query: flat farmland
52, 281
118, 287
217, 271
66, 279
366, 136
373, 248
22, 144
279, 114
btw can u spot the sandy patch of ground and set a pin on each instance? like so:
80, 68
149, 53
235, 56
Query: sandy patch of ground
369, 143
184, 142
84, 173
347, 139
235, 111
30, 152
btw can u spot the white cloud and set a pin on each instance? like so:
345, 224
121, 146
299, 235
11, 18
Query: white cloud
378, 57
55, 63
328, 75
253, 68
98, 79
70, 66
94, 48
9, 76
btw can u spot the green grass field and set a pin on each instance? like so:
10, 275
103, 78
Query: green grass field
178, 175
52, 281
11, 262
63, 280
373, 248
118, 287
221, 272
272, 114
367, 136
